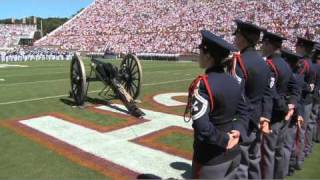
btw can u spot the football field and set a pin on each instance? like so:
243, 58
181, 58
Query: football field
44, 137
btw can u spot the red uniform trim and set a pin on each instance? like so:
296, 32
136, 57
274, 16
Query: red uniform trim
273, 68
192, 88
239, 60
306, 67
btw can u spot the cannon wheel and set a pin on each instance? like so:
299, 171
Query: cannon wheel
131, 71
78, 81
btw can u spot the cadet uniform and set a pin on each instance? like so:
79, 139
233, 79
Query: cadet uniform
217, 108
307, 93
285, 92
316, 99
292, 145
255, 75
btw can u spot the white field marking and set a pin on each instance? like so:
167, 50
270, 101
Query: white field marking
64, 95
167, 71
39, 74
55, 80
167, 82
115, 146
159, 121
183, 61
33, 82
1, 79
166, 99
50, 73
11, 65
33, 99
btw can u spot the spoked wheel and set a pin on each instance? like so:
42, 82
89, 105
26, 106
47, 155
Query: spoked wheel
78, 81
131, 75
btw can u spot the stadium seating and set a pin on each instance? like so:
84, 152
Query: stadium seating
164, 26
10, 34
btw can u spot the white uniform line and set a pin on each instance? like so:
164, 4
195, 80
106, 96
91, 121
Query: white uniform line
115, 146
65, 95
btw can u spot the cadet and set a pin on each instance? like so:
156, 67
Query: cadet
292, 146
304, 48
284, 101
316, 99
218, 112
255, 75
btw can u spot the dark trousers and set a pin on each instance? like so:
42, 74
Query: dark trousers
250, 158
269, 145
309, 129
279, 171
289, 148
302, 136
316, 121
225, 170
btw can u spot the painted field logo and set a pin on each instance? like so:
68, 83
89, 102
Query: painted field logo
124, 152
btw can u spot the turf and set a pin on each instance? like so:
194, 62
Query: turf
43, 87
22, 158
178, 141
311, 168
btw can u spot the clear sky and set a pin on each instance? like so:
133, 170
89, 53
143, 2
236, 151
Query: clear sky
40, 8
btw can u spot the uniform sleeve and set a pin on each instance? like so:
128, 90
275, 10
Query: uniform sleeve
269, 93
241, 121
309, 78
299, 110
204, 129
294, 90
300, 83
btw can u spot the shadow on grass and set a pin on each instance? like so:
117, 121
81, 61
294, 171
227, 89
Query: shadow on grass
175, 165
182, 166
94, 101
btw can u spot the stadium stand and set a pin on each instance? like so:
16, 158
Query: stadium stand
11, 34
164, 26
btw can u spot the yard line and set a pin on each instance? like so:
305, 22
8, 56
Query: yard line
66, 72
166, 82
67, 79
36, 74
33, 82
65, 95
11, 65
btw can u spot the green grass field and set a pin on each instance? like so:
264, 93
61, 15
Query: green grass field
39, 88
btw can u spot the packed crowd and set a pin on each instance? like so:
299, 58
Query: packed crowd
38, 54
173, 26
10, 34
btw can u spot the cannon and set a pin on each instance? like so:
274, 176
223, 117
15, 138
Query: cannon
124, 82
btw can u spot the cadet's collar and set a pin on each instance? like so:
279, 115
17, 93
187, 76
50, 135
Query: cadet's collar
246, 49
306, 56
274, 55
218, 69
